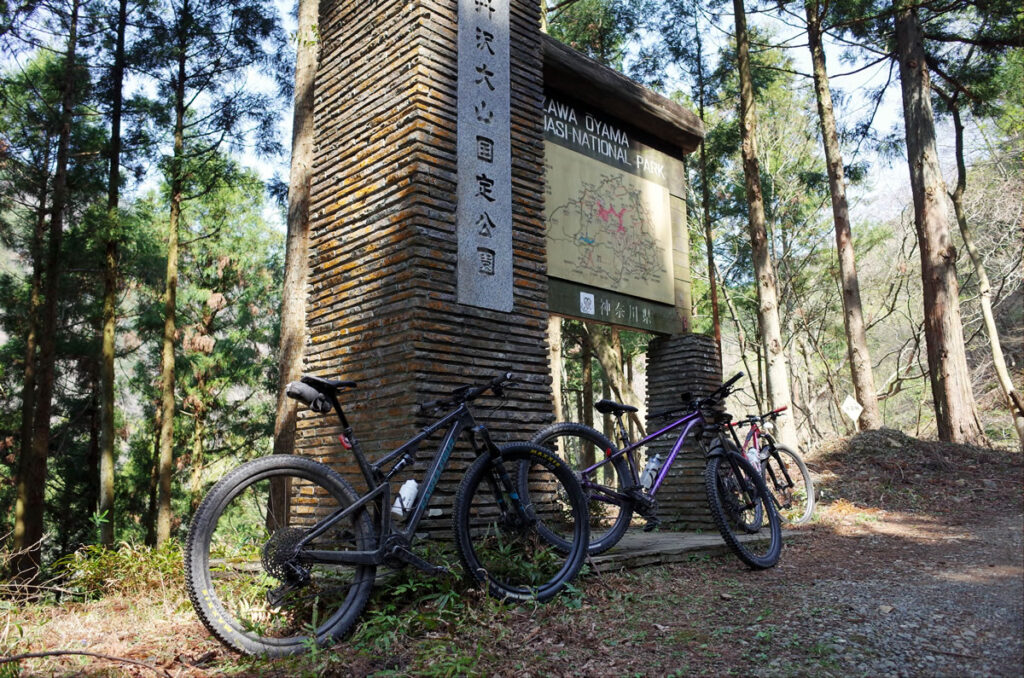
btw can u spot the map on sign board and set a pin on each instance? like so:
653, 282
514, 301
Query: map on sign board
607, 204
607, 228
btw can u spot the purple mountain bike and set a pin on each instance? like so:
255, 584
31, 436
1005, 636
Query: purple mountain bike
740, 503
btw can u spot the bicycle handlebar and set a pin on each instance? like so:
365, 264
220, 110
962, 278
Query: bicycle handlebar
751, 419
467, 393
736, 377
321, 402
716, 397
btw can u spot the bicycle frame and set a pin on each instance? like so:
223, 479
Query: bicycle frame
753, 438
688, 421
459, 421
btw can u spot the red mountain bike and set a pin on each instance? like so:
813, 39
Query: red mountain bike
784, 471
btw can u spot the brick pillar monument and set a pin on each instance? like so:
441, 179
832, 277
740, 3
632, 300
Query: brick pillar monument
676, 364
390, 305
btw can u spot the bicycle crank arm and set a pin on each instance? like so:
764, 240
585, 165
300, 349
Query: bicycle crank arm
406, 556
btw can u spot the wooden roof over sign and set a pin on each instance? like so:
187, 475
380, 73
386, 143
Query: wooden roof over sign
617, 95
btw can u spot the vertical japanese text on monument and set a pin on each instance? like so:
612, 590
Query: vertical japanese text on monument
484, 209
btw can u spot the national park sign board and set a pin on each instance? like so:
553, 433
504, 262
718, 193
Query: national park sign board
608, 213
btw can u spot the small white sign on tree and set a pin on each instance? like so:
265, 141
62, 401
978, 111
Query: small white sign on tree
852, 408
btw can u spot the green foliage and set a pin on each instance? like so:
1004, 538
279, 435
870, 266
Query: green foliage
1011, 95
11, 638
575, 355
29, 120
598, 28
230, 292
228, 296
412, 603
215, 46
131, 568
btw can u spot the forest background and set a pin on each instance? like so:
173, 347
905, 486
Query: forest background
151, 247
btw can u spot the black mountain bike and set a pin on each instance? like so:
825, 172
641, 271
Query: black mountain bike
740, 503
282, 553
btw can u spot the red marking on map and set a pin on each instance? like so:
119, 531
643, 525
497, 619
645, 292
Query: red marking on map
605, 213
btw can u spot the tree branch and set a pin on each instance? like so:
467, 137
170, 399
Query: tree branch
59, 653
978, 41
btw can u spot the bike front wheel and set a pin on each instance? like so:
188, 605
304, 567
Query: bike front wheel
789, 481
498, 527
742, 509
610, 509
252, 581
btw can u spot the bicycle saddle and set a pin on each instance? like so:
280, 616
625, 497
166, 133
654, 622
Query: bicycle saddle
327, 385
611, 407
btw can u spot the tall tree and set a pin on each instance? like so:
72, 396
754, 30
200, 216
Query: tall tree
555, 360
29, 115
204, 52
768, 307
293, 299
165, 461
972, 85
914, 36
29, 510
606, 347
705, 185
853, 313
597, 28
1013, 399
229, 292
955, 410
111, 237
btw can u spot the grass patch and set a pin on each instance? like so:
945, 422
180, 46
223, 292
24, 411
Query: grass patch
95, 571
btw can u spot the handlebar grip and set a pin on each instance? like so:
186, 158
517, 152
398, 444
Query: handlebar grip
736, 377
723, 390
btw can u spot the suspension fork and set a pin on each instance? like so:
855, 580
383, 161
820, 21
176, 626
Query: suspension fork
498, 477
748, 494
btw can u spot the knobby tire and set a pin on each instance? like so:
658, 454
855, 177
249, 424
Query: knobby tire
496, 525
250, 583
734, 488
608, 520
796, 503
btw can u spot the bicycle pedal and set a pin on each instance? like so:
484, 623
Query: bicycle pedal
653, 523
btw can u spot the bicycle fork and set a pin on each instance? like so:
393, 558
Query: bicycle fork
520, 514
745, 494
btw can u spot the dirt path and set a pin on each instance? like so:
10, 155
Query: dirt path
913, 567
902, 595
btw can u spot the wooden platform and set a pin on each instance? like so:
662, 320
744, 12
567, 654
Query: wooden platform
642, 549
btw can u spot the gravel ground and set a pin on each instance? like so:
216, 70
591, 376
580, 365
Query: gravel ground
932, 585
895, 597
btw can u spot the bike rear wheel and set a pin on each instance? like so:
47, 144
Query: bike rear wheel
581, 447
788, 479
739, 502
251, 583
497, 526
